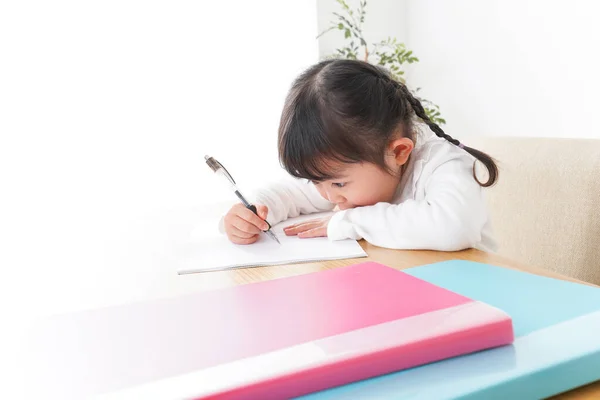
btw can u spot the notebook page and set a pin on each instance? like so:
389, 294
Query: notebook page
214, 251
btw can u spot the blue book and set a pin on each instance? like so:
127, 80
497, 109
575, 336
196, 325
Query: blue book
557, 344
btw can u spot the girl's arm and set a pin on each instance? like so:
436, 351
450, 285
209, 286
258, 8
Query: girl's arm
450, 218
291, 197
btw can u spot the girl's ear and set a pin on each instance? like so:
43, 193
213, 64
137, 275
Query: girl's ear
400, 149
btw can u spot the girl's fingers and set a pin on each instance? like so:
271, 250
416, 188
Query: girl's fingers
291, 231
245, 226
253, 219
297, 228
263, 211
240, 240
310, 221
315, 232
234, 231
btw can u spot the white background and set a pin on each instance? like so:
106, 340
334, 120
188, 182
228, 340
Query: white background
106, 112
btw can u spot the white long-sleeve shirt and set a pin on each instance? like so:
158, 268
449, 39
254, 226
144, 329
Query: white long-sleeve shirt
438, 204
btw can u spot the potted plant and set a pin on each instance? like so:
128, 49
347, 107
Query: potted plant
388, 53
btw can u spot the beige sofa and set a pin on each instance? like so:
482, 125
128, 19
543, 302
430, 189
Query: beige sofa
546, 205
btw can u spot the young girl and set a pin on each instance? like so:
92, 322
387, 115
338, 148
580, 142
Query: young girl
348, 138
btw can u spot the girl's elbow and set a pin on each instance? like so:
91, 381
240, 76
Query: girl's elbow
460, 238
457, 230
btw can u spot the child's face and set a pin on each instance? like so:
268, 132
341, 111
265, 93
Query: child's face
363, 184
366, 184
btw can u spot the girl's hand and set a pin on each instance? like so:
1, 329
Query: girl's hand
242, 226
308, 229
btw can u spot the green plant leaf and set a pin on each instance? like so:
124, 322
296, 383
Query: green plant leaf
388, 53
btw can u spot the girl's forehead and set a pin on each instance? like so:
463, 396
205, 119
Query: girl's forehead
335, 168
339, 170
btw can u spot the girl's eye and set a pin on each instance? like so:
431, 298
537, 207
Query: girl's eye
339, 184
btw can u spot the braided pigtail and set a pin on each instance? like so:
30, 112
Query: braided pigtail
485, 159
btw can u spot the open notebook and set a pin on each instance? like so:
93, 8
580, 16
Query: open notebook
210, 250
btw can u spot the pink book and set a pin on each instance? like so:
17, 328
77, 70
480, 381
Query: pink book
274, 339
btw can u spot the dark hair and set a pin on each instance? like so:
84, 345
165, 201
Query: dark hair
348, 111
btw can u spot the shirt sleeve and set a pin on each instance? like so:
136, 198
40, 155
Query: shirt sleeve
287, 198
291, 197
450, 217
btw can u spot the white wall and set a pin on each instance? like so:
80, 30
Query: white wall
510, 67
384, 18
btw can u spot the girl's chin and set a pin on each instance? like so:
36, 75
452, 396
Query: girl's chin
348, 206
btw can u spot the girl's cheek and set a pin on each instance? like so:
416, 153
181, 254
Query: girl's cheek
364, 198
359, 198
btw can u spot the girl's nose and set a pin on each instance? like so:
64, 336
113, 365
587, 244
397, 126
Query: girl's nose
334, 197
